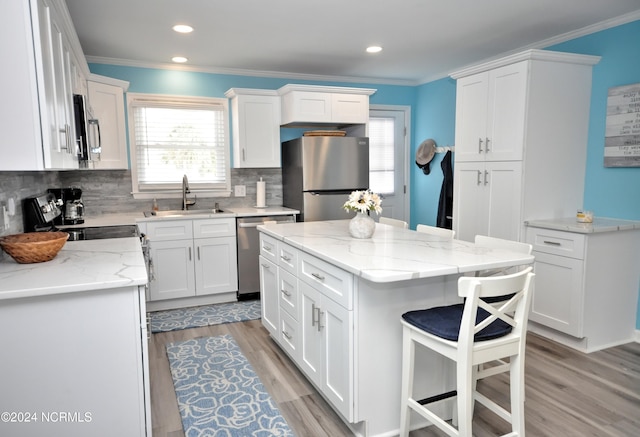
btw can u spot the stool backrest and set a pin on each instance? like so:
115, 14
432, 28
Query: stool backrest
394, 222
433, 230
514, 311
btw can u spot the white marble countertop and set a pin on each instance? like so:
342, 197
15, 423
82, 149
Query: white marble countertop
80, 266
570, 224
392, 254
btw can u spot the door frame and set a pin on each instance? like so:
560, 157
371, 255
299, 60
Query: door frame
406, 151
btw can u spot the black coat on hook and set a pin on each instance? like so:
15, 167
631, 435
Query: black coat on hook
445, 205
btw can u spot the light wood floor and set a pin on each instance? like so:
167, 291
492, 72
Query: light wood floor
568, 393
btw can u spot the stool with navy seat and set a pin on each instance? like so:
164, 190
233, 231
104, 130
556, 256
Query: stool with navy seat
470, 333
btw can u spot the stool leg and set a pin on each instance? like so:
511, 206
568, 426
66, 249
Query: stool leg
465, 398
408, 356
517, 394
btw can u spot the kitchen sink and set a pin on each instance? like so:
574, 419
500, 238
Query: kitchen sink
183, 212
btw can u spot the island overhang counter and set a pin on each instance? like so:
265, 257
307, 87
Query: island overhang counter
333, 303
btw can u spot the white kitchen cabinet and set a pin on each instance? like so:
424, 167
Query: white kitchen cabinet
309, 104
255, 127
269, 296
586, 289
523, 122
489, 193
39, 128
106, 105
192, 258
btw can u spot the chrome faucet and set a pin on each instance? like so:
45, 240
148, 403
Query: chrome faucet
185, 190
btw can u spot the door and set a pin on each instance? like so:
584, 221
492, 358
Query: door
173, 269
388, 159
107, 106
269, 299
471, 116
216, 266
311, 336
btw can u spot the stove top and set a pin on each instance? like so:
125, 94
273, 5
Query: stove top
102, 232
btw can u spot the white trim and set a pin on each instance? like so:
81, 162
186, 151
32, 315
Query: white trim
109, 81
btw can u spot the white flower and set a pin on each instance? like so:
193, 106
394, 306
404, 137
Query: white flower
363, 201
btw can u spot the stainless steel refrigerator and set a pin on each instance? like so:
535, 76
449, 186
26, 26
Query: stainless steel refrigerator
319, 173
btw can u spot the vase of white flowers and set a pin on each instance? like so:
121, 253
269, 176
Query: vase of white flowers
362, 202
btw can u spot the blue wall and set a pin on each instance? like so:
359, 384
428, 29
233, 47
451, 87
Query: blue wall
609, 192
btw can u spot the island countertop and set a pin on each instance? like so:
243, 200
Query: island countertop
80, 266
392, 254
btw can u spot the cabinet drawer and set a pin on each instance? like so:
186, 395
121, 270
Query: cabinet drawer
170, 230
288, 258
331, 281
223, 227
269, 248
288, 293
289, 335
556, 242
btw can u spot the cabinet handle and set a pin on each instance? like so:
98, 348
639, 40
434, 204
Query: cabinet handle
320, 325
313, 314
486, 145
244, 155
189, 254
285, 292
286, 334
486, 177
479, 175
266, 266
267, 248
479, 145
553, 243
318, 276
286, 258
198, 253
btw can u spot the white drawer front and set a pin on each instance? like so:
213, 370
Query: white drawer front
170, 230
223, 227
288, 293
289, 335
269, 248
333, 282
556, 242
288, 258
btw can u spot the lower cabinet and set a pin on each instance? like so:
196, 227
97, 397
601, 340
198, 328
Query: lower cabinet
306, 307
189, 261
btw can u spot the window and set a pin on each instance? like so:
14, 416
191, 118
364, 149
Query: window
172, 136
381, 155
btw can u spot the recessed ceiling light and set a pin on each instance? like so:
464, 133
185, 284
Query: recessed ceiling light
183, 28
374, 49
179, 59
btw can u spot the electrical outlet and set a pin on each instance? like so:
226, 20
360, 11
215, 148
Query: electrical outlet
4, 220
241, 190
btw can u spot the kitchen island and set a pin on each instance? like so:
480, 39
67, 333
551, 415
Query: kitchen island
74, 342
333, 304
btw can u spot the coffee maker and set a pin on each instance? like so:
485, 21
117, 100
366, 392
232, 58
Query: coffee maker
72, 206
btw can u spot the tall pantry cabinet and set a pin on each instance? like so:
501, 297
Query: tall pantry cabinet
521, 140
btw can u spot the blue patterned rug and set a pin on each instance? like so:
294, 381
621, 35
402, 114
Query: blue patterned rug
219, 393
194, 317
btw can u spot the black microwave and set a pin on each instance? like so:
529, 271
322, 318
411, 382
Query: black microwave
88, 138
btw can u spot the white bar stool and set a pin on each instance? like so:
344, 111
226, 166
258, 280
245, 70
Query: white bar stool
470, 334
394, 222
434, 230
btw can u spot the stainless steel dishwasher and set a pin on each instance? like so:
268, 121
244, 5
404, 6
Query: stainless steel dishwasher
249, 250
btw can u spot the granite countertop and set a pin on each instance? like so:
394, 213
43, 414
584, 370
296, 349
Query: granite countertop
570, 224
392, 254
80, 266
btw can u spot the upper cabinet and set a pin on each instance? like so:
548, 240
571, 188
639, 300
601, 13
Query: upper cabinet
521, 141
38, 126
255, 117
106, 109
323, 105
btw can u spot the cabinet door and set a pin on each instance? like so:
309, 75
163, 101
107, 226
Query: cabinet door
269, 296
310, 334
107, 106
173, 269
257, 131
216, 266
558, 293
503, 199
349, 108
289, 336
303, 106
336, 325
469, 200
471, 117
506, 113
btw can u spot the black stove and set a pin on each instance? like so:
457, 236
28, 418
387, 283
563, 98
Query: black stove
102, 232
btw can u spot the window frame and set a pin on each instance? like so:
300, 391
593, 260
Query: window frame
174, 189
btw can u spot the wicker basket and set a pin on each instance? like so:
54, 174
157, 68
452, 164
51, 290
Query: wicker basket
34, 247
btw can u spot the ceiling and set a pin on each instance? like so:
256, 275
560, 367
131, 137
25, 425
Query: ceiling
422, 40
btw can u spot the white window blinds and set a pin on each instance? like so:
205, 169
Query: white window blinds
381, 155
176, 136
